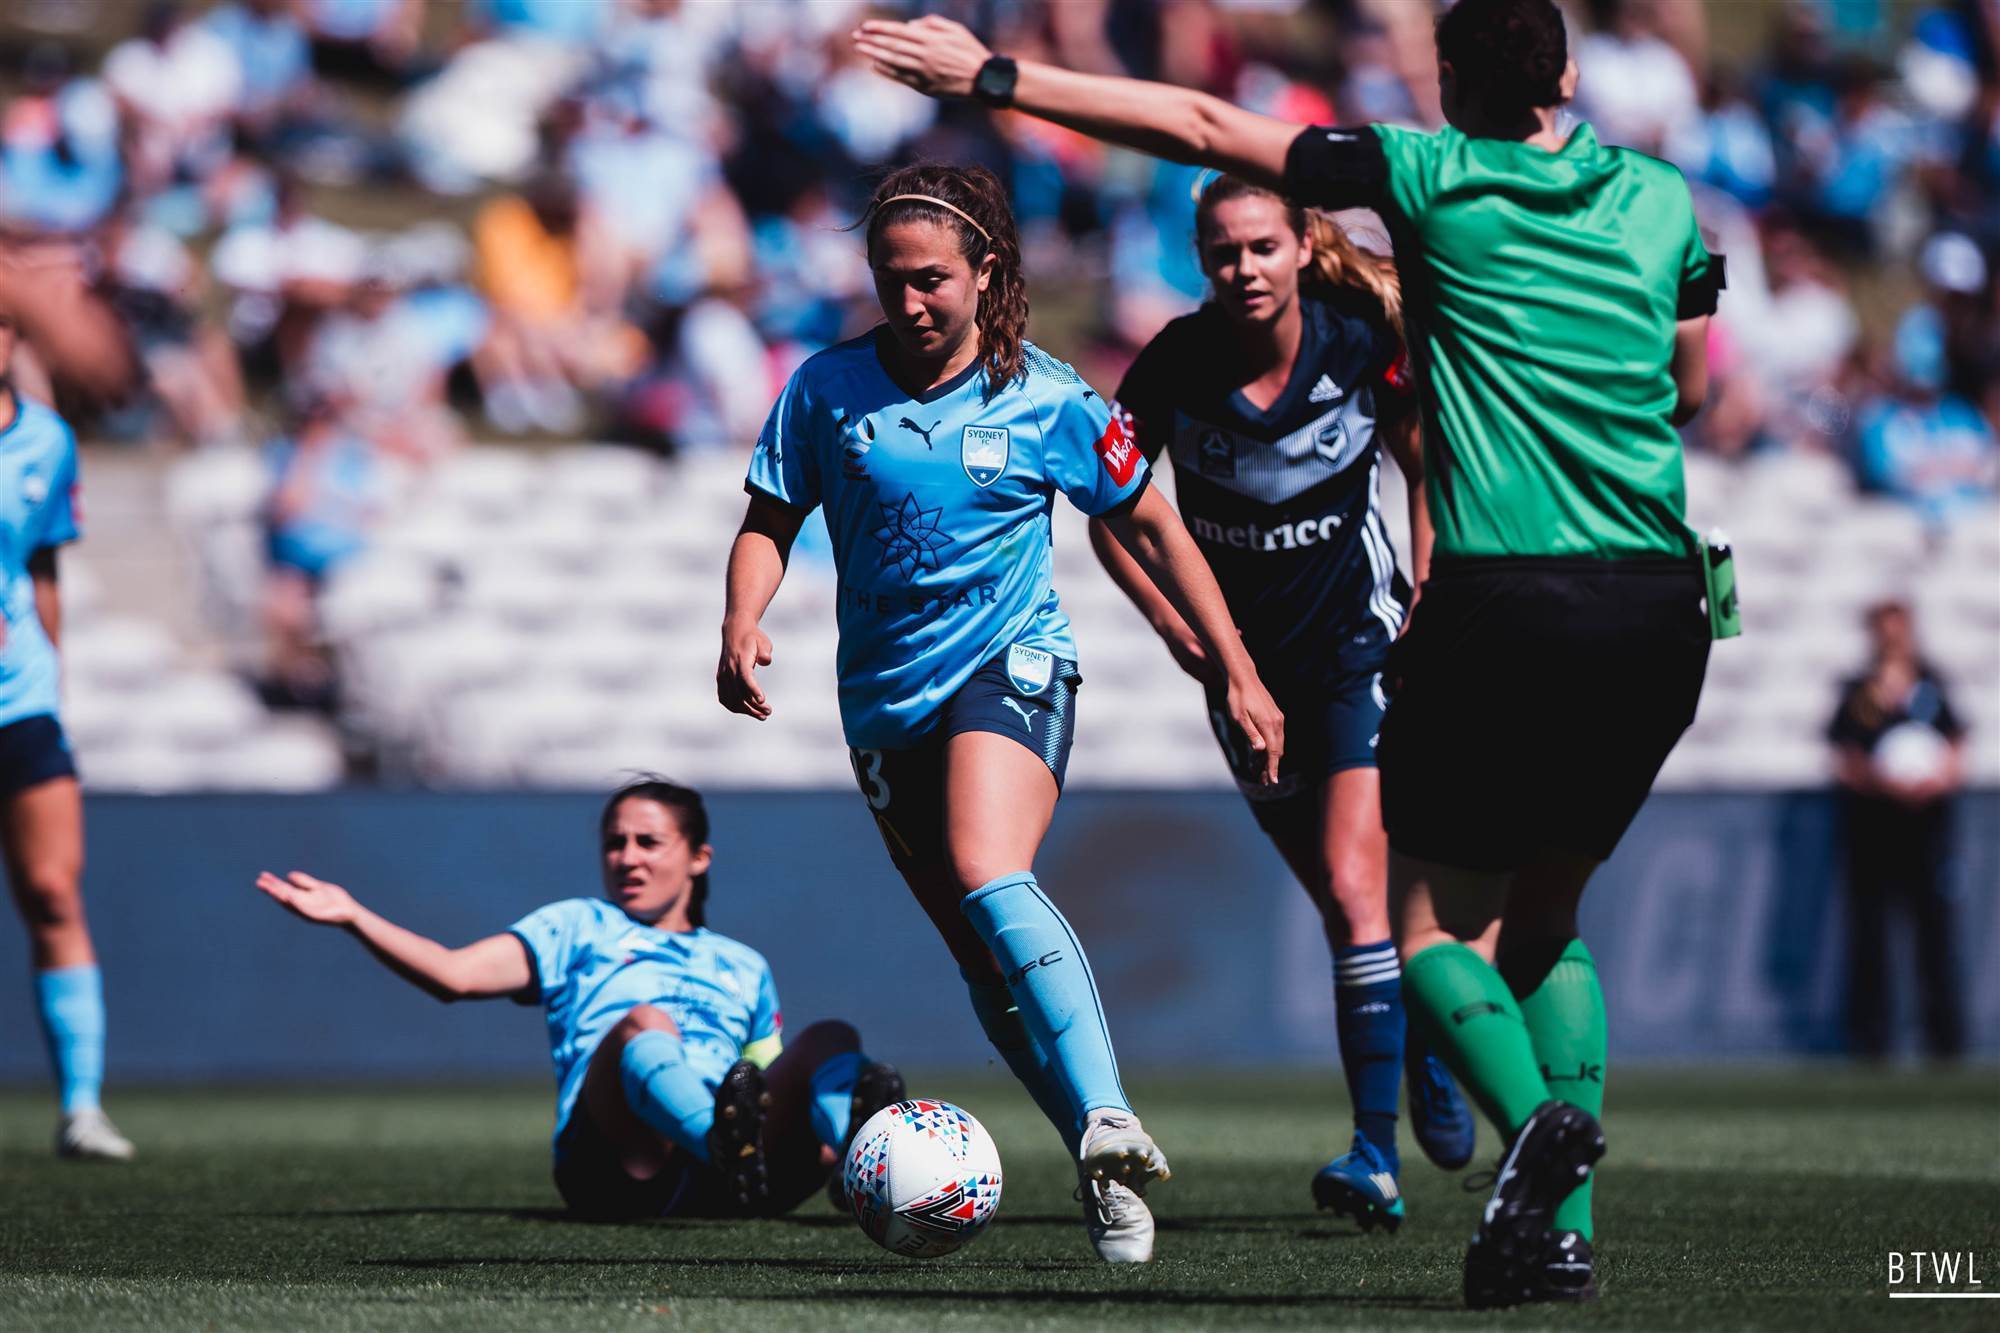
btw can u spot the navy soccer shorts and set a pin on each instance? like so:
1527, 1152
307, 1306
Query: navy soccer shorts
33, 751
905, 787
1327, 730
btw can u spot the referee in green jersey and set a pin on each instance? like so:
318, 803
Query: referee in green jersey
1557, 295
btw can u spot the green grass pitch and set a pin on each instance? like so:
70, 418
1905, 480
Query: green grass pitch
1744, 1199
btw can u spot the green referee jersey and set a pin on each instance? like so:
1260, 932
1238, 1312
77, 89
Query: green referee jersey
1541, 292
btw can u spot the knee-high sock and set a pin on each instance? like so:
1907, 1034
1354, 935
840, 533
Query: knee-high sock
833, 1097
1368, 1015
665, 1092
1000, 1019
1470, 1020
71, 1003
1563, 1007
1051, 983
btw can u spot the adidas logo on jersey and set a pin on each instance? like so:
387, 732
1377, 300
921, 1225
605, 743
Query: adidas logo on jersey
1325, 391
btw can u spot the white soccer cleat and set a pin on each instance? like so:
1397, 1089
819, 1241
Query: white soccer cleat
89, 1135
1116, 1148
1120, 1224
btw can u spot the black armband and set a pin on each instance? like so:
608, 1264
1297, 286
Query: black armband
1328, 167
1699, 297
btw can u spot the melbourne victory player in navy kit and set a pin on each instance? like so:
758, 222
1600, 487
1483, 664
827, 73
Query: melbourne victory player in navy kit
937, 444
675, 1091
1272, 400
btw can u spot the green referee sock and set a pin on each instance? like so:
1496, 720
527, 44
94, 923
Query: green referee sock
1471, 1021
1563, 1006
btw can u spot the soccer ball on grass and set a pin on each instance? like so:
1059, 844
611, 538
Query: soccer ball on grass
923, 1178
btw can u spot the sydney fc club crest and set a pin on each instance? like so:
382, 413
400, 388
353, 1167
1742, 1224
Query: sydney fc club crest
1029, 668
983, 450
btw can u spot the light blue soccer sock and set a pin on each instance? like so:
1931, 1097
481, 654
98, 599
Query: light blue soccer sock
1368, 1015
665, 1092
833, 1097
71, 1003
1051, 983
1000, 1018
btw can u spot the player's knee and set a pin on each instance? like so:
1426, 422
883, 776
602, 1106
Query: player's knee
51, 898
828, 1037
972, 868
643, 1018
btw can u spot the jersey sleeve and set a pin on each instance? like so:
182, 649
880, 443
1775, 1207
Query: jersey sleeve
1702, 274
767, 1024
551, 935
784, 465
1086, 449
1145, 406
59, 521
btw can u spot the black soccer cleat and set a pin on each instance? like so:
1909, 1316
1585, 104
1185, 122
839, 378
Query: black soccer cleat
736, 1139
1552, 1155
877, 1086
1569, 1269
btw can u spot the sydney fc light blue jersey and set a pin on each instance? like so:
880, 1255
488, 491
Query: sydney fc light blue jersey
938, 507
593, 964
38, 510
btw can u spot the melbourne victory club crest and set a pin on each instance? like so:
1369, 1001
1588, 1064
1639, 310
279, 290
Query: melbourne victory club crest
1029, 668
983, 450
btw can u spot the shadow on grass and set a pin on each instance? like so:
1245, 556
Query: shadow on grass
1187, 1299
819, 1267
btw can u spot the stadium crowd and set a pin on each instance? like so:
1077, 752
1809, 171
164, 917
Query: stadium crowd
628, 218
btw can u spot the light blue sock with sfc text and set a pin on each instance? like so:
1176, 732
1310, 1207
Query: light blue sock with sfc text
664, 1092
1050, 980
1000, 1018
71, 1003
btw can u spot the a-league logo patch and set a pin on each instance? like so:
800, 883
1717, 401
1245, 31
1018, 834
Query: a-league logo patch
1029, 668
983, 450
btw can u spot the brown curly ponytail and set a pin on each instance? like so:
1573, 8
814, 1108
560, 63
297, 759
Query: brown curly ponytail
977, 194
1337, 261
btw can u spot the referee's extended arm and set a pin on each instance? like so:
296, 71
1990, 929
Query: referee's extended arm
1690, 368
939, 57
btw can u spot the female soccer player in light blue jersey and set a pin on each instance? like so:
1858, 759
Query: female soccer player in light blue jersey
675, 1094
937, 444
41, 805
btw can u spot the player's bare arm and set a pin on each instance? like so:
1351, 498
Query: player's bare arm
483, 970
1402, 430
1157, 540
939, 57
1690, 368
1182, 642
756, 567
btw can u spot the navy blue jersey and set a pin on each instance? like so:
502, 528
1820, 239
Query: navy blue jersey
1285, 502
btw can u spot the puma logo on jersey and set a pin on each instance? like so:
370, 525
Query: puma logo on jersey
908, 424
1325, 391
1027, 717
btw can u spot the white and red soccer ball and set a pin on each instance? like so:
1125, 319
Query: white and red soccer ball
923, 1178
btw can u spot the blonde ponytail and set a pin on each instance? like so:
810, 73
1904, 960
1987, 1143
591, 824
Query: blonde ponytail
1338, 262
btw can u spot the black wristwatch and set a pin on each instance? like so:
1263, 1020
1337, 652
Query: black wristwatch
994, 84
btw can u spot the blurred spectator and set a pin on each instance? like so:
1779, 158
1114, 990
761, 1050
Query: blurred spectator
1727, 144
1633, 87
1852, 160
1926, 447
1956, 321
1899, 759
553, 334
60, 169
177, 85
284, 275
272, 54
1800, 339
154, 284
380, 39
330, 485
379, 355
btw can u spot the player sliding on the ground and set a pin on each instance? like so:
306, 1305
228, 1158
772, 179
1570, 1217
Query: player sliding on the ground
937, 443
1272, 401
41, 806
1557, 292
672, 1094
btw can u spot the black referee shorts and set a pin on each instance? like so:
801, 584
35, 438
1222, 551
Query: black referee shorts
1532, 704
